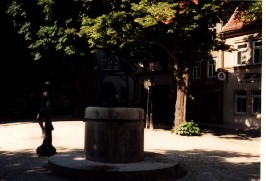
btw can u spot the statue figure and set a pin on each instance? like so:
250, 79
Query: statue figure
44, 116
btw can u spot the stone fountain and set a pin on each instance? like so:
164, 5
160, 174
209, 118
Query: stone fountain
114, 145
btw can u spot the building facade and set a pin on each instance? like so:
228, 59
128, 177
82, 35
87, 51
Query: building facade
226, 88
241, 69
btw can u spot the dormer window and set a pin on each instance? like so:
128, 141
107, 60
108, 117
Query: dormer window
111, 63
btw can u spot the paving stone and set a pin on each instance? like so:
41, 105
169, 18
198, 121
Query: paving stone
208, 157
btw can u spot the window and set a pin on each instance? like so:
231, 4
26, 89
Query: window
242, 54
211, 68
196, 72
256, 101
240, 102
111, 63
257, 52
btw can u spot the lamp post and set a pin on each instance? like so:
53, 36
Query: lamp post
149, 122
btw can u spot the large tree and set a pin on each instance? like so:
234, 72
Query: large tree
181, 29
136, 29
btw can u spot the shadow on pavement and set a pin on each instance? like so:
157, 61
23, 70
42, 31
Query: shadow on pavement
200, 165
229, 133
217, 165
25, 165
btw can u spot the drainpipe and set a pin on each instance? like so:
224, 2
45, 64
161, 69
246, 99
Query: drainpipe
220, 52
219, 27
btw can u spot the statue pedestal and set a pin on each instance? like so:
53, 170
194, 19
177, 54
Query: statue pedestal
46, 149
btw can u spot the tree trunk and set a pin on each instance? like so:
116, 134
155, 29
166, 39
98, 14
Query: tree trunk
180, 107
182, 76
181, 98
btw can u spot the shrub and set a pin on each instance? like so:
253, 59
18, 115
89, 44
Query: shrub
188, 129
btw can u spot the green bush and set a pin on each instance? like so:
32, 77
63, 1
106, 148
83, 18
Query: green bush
188, 129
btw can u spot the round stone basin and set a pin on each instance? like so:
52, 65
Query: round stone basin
114, 134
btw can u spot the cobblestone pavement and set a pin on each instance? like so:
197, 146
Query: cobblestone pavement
217, 155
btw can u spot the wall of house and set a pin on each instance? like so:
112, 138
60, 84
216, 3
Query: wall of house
230, 58
235, 83
245, 78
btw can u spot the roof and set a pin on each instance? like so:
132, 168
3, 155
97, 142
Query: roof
234, 23
112, 64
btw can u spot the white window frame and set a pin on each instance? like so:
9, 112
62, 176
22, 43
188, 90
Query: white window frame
258, 97
243, 99
211, 68
257, 47
242, 54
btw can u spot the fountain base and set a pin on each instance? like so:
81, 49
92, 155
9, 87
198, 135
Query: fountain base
152, 168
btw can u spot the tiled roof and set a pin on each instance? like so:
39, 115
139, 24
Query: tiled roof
234, 23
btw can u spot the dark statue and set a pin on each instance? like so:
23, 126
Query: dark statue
44, 119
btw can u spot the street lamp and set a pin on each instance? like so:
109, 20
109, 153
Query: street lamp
147, 86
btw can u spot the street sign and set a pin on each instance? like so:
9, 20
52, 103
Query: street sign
221, 76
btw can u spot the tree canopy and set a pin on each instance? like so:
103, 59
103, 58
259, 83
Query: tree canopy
178, 32
133, 27
252, 11
77, 27
49, 26
139, 26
